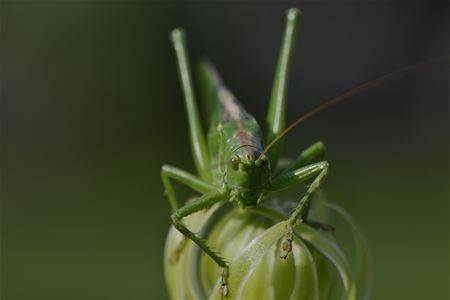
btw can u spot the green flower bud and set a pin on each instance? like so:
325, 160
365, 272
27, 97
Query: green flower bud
251, 241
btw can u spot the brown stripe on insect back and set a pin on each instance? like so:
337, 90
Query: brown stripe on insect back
234, 113
245, 141
228, 102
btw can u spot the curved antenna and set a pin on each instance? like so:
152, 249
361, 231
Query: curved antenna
358, 89
243, 146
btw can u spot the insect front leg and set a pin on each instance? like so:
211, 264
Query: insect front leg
188, 179
318, 171
203, 202
315, 152
169, 172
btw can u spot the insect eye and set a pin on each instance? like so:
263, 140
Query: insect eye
234, 162
262, 161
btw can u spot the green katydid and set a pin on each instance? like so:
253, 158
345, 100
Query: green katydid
234, 164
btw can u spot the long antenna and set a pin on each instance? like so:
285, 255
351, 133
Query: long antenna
358, 89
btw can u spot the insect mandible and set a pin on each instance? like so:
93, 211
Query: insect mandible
236, 162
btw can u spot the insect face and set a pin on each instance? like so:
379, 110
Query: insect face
247, 175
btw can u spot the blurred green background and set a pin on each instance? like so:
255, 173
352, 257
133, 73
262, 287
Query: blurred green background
91, 108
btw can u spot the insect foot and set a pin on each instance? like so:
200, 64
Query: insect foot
223, 282
251, 240
287, 241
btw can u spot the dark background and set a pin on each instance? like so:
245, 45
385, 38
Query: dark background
91, 108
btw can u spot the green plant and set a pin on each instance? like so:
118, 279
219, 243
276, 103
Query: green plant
317, 268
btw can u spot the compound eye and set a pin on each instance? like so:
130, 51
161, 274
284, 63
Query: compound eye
262, 161
234, 162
